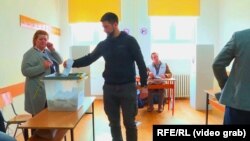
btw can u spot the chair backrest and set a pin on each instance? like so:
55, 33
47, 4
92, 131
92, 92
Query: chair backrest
5, 99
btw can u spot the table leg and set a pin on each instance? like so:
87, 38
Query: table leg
25, 134
168, 97
93, 121
207, 102
72, 134
173, 95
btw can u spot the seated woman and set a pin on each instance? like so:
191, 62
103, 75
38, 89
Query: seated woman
157, 70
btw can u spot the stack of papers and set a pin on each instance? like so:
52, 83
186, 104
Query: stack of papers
156, 81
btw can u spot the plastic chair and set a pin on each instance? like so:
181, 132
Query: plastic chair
5, 100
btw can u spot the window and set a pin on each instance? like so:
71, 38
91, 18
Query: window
87, 33
173, 29
174, 39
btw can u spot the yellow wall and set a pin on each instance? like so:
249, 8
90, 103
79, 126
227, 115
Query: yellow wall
91, 10
174, 7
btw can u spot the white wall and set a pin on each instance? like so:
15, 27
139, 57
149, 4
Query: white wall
66, 40
207, 23
219, 19
234, 15
201, 76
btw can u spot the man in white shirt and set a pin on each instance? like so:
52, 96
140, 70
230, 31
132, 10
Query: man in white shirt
157, 70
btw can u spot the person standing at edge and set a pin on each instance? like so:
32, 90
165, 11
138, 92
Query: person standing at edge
120, 52
235, 87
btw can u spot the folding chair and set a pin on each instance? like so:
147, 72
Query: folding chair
5, 100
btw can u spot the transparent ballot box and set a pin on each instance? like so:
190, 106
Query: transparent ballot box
65, 93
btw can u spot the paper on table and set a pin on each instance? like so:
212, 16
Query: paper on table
156, 81
67, 69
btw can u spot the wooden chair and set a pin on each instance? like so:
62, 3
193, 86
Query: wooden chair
5, 100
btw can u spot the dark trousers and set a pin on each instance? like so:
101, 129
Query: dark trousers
122, 97
235, 116
160, 94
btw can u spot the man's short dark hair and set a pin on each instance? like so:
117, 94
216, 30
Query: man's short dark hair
110, 17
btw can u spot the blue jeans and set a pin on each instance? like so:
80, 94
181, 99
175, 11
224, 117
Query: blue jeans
5, 137
122, 97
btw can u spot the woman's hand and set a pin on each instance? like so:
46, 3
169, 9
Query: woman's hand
50, 46
47, 64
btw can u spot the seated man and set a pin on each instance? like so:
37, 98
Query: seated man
157, 70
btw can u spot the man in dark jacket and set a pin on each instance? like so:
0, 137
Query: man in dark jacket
120, 52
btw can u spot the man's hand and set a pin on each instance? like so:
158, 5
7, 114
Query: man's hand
163, 76
151, 75
144, 92
65, 64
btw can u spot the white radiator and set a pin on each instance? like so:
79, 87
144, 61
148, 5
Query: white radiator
182, 85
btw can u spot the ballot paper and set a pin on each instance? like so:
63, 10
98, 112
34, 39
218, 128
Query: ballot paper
67, 69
